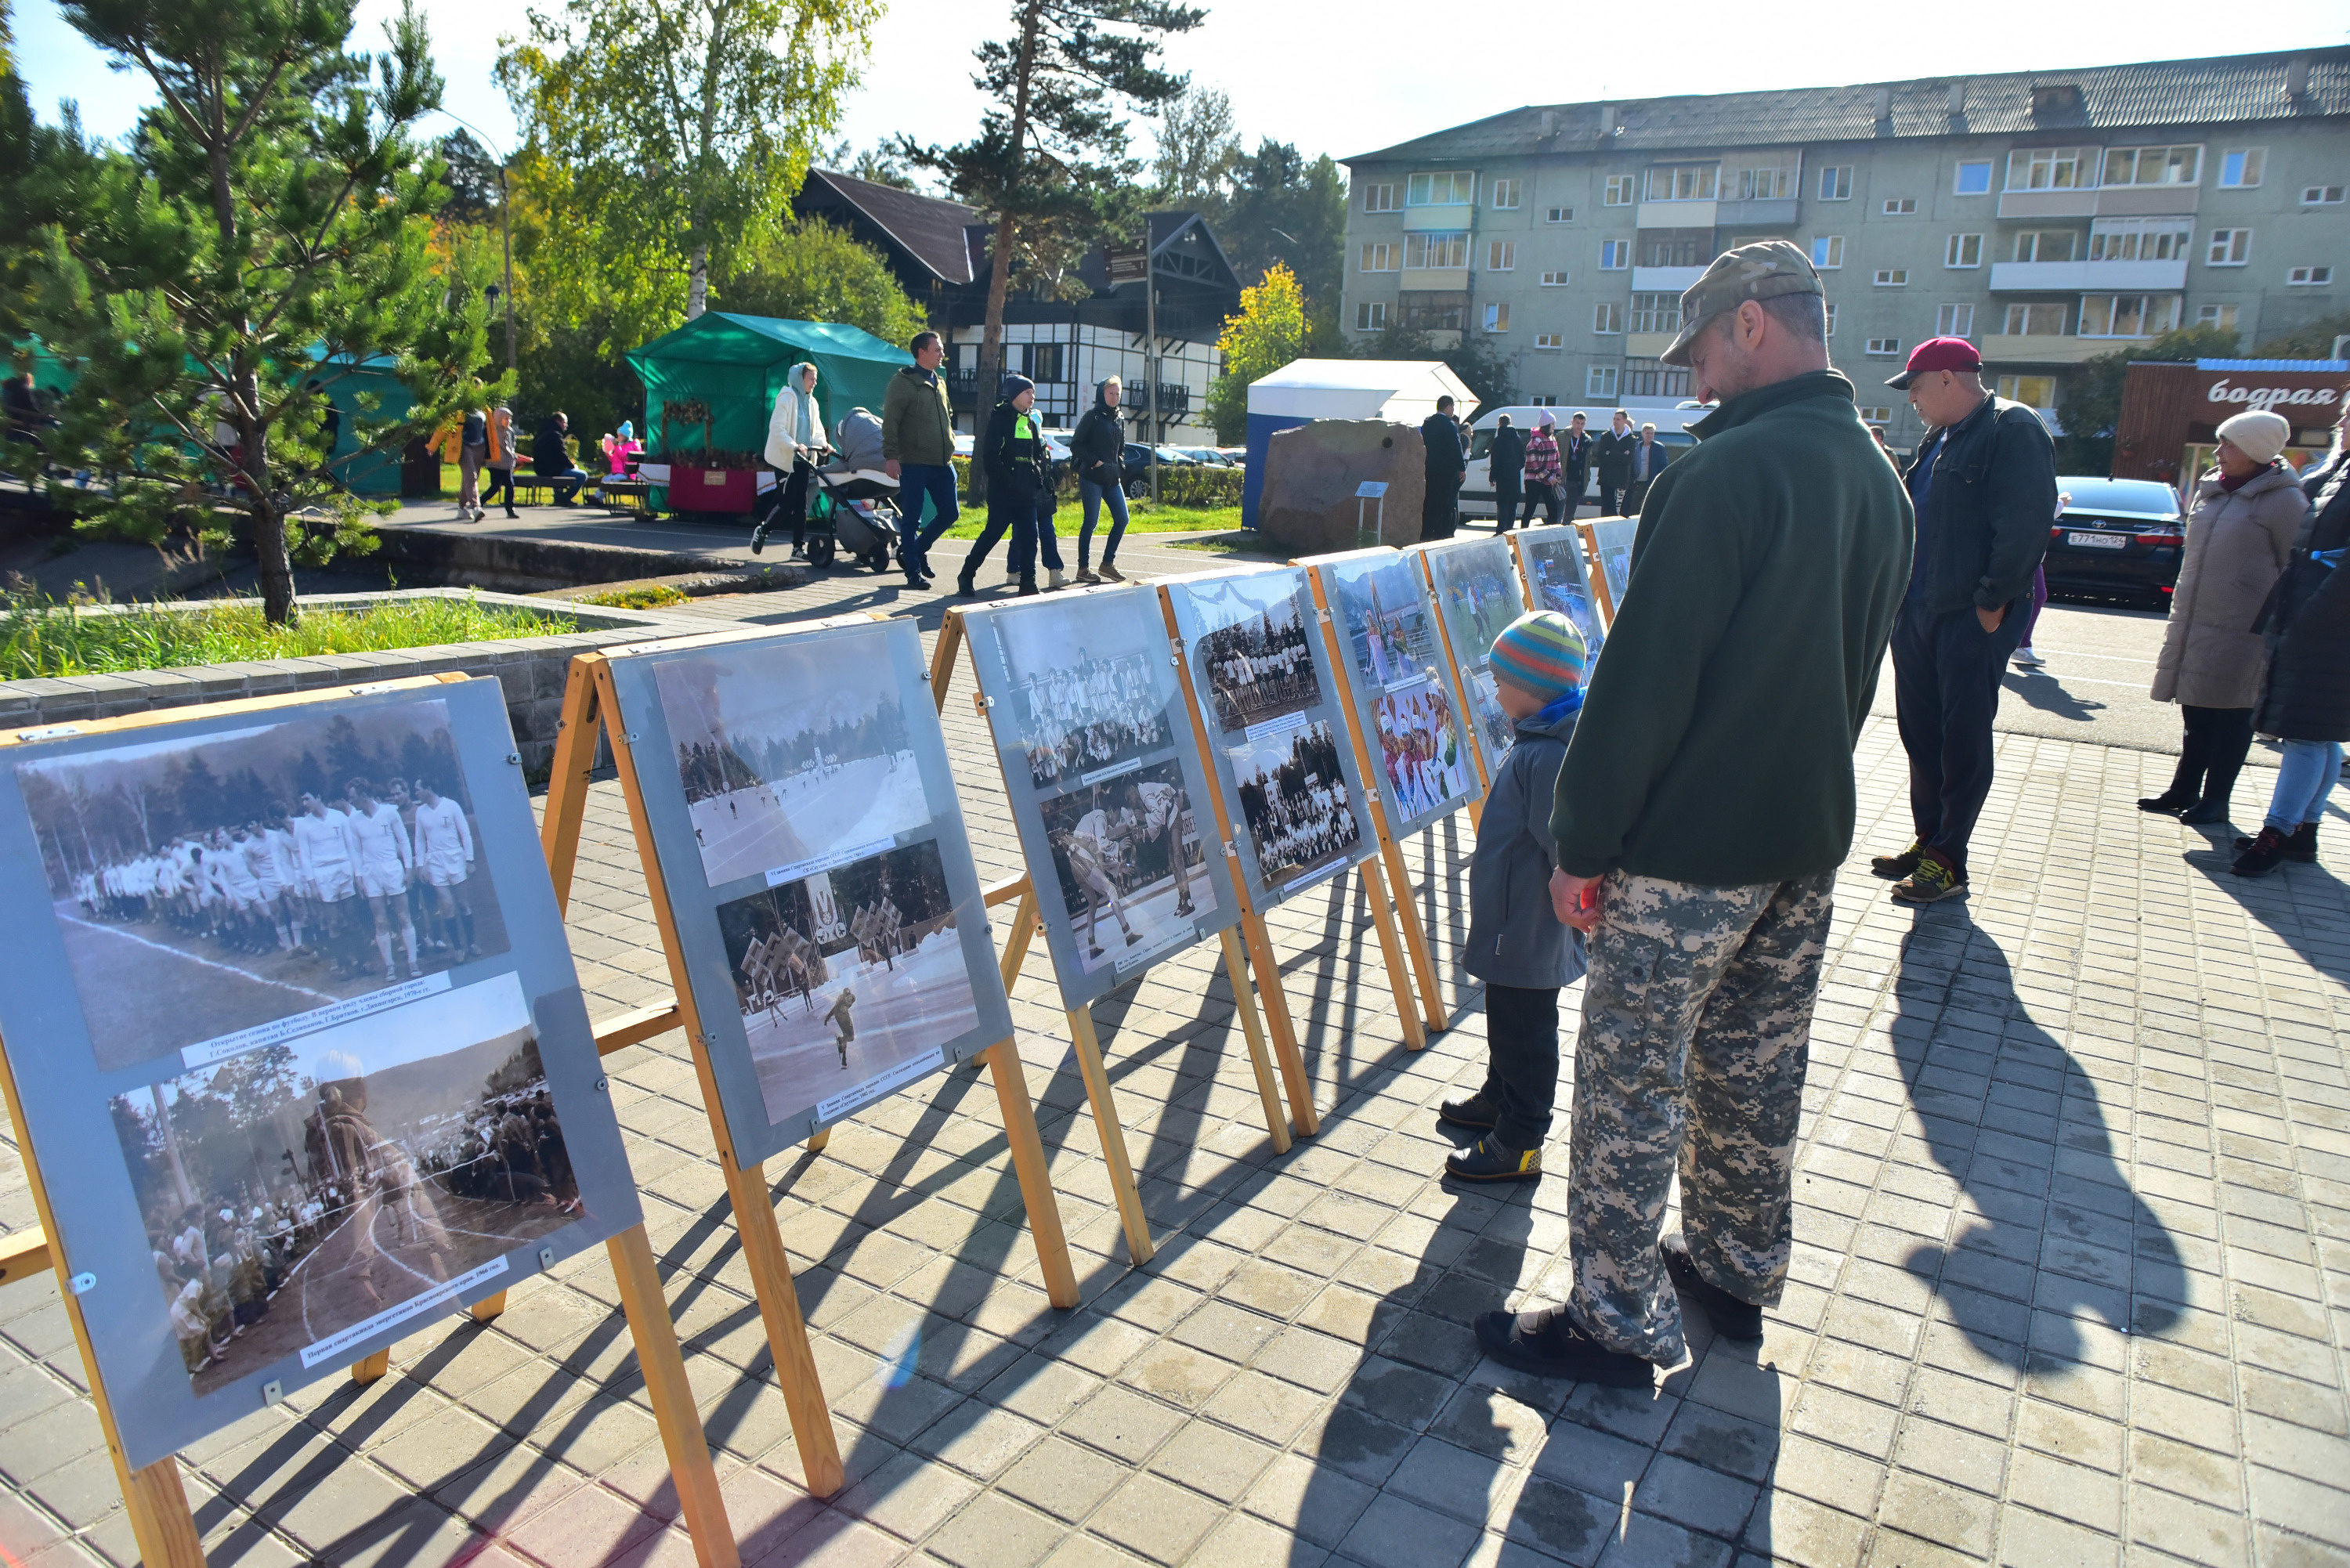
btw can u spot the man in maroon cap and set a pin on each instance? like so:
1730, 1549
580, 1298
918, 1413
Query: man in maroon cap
1984, 485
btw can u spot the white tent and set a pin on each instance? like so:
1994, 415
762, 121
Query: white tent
1402, 390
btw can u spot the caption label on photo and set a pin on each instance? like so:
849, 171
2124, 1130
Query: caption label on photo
800, 868
337, 1344
205, 1052
828, 1111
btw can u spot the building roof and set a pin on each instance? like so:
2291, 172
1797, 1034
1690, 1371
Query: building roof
2151, 96
928, 228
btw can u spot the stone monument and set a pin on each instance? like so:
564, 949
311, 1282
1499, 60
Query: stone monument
1314, 472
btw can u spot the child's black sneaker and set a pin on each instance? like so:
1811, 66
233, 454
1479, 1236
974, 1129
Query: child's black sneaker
1488, 1159
1731, 1318
1476, 1112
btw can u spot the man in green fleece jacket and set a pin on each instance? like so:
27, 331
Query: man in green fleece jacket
1704, 806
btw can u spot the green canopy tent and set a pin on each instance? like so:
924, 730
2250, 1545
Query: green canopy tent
734, 366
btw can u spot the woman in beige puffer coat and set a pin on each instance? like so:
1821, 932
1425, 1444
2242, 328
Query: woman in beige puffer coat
2247, 511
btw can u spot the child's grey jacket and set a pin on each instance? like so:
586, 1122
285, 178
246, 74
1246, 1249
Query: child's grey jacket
1514, 937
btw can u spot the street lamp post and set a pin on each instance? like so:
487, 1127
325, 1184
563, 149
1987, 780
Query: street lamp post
505, 229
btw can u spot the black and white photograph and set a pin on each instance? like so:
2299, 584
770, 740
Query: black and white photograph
1085, 689
304, 1197
1554, 568
848, 973
1612, 542
1421, 751
1129, 854
1252, 657
214, 884
789, 751
1391, 634
1293, 800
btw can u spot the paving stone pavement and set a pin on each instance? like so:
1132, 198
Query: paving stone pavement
2072, 1278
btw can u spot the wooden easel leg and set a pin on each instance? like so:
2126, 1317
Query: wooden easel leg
370, 1368
817, 1139
1304, 1119
489, 1307
1391, 952
1015, 946
942, 657
1113, 1137
663, 1365
567, 783
157, 1501
1276, 1123
1028, 1164
1415, 941
787, 1341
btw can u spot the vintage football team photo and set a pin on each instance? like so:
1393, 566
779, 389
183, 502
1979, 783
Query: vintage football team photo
1128, 854
1293, 796
1089, 686
1256, 662
217, 883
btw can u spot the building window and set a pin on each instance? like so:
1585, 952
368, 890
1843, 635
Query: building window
1884, 345
1435, 250
1827, 251
1497, 317
1371, 315
2240, 168
1963, 250
1684, 181
1653, 378
1675, 247
1901, 206
2032, 391
1973, 178
1599, 382
1619, 191
1041, 362
2045, 246
2310, 277
1380, 257
2140, 239
1543, 401
1456, 189
2154, 166
1506, 193
1836, 182
2127, 315
1434, 310
1559, 215
1502, 256
1892, 277
2035, 320
2221, 316
1615, 255
1608, 316
2230, 248
1831, 310
1655, 313
2321, 196
2052, 168
1954, 321
1765, 184
1379, 198
1875, 414
1553, 280
1550, 341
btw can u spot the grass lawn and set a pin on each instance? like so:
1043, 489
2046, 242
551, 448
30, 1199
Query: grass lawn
40, 637
1142, 517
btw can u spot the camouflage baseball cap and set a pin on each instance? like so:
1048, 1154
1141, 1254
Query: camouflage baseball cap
1761, 271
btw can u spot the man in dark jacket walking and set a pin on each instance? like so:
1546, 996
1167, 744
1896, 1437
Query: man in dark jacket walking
1612, 454
1984, 485
1019, 496
1506, 460
1574, 462
1448, 460
1765, 573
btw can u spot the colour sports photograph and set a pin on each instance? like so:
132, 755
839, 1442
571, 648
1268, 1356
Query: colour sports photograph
1090, 685
1561, 584
1477, 593
846, 973
789, 751
1256, 662
1421, 754
1613, 537
299, 1190
216, 883
1390, 635
1293, 804
1128, 854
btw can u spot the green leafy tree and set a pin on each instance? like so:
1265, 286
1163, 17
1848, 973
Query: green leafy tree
810, 271
1268, 333
1198, 150
2089, 403
666, 131
1051, 153
2314, 342
1288, 209
267, 225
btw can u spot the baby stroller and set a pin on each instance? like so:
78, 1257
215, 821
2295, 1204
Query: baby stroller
857, 508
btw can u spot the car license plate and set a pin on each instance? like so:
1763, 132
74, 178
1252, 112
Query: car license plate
2097, 541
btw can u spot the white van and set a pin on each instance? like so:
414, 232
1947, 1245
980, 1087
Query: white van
1671, 420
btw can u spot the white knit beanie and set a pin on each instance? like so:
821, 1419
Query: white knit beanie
2257, 433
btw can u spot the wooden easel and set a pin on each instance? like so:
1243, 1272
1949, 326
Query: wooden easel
154, 1496
588, 699
1025, 922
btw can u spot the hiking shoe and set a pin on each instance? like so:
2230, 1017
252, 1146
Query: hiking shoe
1086, 577
1474, 1112
1893, 868
2268, 850
1027, 588
2303, 845
1489, 1159
1110, 574
1547, 1344
2170, 803
1054, 580
2026, 659
1731, 1318
1933, 880
966, 588
759, 539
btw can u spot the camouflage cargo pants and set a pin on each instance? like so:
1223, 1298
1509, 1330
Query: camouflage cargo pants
1697, 1021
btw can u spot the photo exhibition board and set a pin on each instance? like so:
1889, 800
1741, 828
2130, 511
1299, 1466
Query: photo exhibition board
298, 1042
1277, 738
1556, 579
1404, 699
1477, 592
1612, 542
818, 869
1084, 696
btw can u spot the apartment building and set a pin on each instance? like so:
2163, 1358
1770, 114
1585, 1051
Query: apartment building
2048, 217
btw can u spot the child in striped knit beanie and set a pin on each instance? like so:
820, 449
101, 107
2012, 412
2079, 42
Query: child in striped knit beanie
1516, 944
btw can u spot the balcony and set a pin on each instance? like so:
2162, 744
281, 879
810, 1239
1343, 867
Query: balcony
1681, 214
1174, 402
1450, 279
1666, 279
2089, 277
1778, 213
2120, 202
1438, 220
2000, 348
1646, 345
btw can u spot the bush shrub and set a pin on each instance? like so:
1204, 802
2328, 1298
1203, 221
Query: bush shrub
1201, 487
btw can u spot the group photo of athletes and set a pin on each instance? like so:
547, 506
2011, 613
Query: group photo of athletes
1293, 798
1561, 584
1086, 685
1427, 766
212, 883
1256, 662
1390, 633
296, 1190
1129, 852
789, 750
844, 974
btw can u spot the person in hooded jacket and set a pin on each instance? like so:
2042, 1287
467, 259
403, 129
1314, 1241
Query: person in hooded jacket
1097, 451
1019, 496
796, 444
2305, 701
